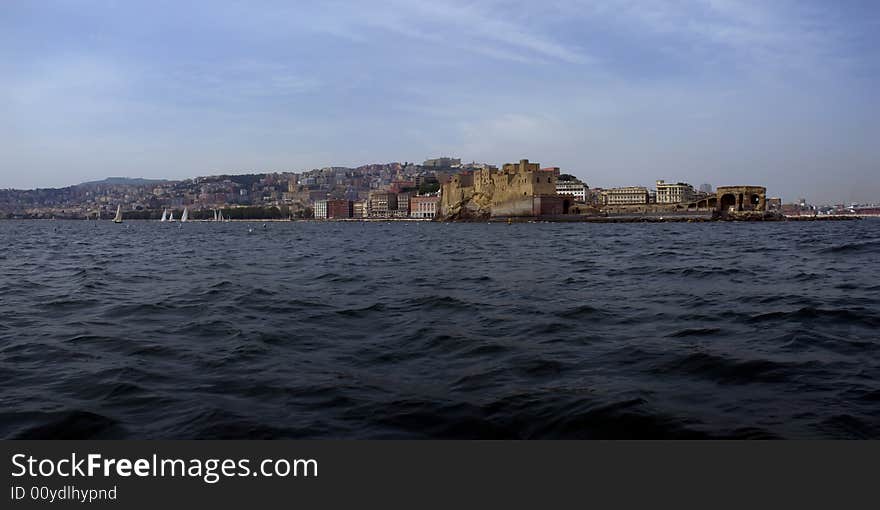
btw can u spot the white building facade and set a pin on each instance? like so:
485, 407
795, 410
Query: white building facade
574, 188
630, 195
675, 193
424, 207
320, 209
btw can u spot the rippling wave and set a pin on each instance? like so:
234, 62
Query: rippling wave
424, 330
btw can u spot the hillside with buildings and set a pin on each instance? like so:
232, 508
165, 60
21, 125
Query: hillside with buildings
441, 188
376, 190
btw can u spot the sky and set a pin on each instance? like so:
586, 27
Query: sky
781, 93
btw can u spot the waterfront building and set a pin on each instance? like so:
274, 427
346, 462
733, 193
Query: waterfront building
358, 209
573, 187
381, 204
629, 195
424, 207
339, 209
321, 209
403, 205
674, 193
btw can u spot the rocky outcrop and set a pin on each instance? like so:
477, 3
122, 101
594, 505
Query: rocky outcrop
748, 216
488, 192
476, 207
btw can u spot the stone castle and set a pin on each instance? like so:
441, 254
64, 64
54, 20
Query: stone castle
518, 189
524, 190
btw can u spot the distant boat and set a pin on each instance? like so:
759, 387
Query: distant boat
185, 215
164, 215
217, 215
171, 218
118, 217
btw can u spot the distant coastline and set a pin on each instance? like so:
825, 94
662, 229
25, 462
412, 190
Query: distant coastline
443, 189
512, 219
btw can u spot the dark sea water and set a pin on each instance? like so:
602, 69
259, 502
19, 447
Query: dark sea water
423, 330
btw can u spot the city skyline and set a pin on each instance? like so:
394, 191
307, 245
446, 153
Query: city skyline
782, 95
466, 167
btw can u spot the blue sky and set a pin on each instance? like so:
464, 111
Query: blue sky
619, 92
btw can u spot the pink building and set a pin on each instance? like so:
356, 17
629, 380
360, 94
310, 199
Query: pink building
424, 207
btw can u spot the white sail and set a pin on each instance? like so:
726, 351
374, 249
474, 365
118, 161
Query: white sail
118, 217
164, 215
216, 215
185, 214
171, 218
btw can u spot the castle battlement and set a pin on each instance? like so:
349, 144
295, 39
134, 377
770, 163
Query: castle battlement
517, 189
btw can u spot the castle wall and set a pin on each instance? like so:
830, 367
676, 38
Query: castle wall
460, 187
514, 207
548, 205
741, 198
508, 192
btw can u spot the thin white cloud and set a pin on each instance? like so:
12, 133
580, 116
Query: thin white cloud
242, 80
772, 35
617, 91
466, 25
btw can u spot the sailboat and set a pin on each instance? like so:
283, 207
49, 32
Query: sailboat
185, 215
216, 215
118, 217
171, 218
164, 215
